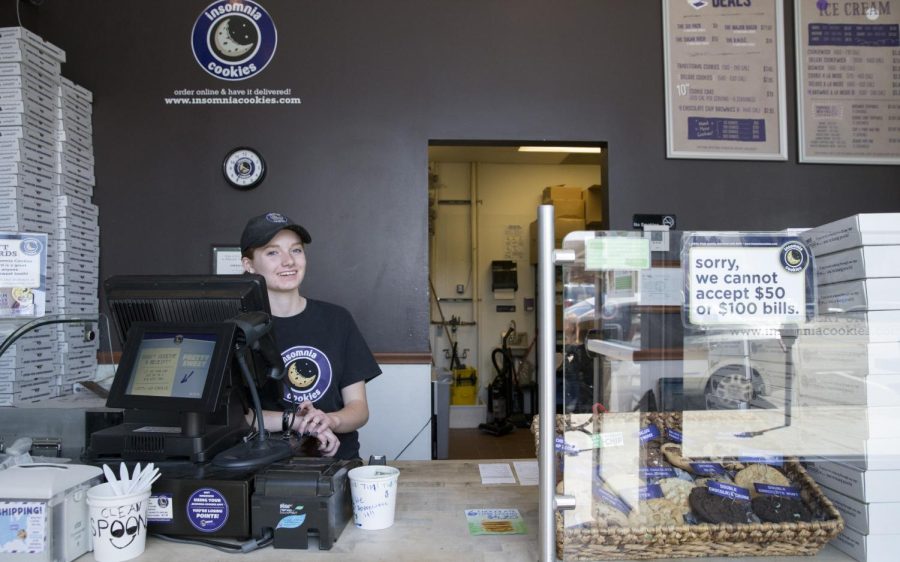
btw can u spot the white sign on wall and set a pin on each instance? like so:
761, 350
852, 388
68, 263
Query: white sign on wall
747, 280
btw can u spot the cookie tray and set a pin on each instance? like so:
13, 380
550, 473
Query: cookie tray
593, 541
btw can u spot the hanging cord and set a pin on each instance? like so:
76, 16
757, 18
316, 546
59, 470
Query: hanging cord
454, 358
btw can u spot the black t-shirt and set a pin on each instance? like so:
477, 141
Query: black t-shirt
323, 352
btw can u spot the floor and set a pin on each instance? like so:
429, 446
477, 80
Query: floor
475, 444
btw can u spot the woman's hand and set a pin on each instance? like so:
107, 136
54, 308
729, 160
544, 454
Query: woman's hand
328, 442
312, 420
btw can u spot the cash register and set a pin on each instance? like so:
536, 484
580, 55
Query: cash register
195, 349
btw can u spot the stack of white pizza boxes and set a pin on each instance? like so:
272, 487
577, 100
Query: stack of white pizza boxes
29, 81
79, 234
848, 366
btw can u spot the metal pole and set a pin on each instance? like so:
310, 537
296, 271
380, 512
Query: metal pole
547, 386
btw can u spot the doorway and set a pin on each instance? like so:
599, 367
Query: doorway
483, 197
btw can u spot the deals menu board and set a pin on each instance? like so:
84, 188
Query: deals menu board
725, 92
848, 83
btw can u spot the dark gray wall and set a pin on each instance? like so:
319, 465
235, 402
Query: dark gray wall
378, 79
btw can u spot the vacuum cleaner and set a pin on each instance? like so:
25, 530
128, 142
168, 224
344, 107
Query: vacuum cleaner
500, 391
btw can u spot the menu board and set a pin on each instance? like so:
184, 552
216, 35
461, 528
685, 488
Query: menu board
725, 82
848, 81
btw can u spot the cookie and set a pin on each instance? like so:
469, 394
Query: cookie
677, 491
710, 508
717, 478
656, 513
608, 516
761, 473
777, 509
672, 452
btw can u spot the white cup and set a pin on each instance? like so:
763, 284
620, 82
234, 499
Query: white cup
118, 523
374, 492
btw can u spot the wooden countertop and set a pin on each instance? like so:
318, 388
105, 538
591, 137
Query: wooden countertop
429, 526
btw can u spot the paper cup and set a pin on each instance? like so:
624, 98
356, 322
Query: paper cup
374, 492
118, 523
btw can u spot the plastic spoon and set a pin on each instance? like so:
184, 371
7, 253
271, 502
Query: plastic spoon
135, 476
124, 479
147, 478
111, 478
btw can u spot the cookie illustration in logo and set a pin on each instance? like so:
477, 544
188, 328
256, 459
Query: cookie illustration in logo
308, 374
234, 37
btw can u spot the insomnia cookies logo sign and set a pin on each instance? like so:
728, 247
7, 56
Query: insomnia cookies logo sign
794, 257
234, 39
308, 374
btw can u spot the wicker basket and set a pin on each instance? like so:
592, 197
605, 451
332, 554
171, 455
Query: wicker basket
593, 541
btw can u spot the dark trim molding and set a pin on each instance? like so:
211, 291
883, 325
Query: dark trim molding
105, 358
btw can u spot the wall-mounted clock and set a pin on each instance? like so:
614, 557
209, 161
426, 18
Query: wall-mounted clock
244, 168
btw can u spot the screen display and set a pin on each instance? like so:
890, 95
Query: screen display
173, 365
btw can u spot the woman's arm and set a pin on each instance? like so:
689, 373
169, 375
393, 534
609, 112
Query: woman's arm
328, 441
351, 417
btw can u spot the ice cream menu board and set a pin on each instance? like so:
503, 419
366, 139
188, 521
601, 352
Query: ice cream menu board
725, 84
848, 81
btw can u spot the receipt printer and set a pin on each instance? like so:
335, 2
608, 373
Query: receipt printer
301, 496
44, 511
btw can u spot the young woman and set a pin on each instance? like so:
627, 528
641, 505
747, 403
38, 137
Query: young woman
326, 358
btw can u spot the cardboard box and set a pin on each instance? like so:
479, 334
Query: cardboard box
858, 263
872, 486
867, 548
829, 388
555, 192
866, 518
867, 229
862, 294
567, 208
593, 206
561, 227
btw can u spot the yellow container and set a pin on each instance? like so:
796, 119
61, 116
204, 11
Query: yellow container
464, 391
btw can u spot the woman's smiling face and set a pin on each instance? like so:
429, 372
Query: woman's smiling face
282, 262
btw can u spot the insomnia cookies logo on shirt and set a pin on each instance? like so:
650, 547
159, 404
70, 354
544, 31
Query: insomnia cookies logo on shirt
234, 39
308, 374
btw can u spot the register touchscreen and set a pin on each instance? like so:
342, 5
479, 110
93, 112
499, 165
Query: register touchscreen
172, 365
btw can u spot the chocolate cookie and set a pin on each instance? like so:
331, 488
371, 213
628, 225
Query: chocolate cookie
760, 473
710, 508
777, 509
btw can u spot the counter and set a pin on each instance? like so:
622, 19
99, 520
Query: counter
429, 526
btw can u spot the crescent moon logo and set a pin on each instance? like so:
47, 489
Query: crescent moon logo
234, 45
794, 257
234, 40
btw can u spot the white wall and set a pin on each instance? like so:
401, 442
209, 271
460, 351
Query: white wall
399, 409
508, 195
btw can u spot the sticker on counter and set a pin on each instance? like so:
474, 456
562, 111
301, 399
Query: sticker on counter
495, 522
23, 527
648, 434
707, 468
729, 491
207, 510
773, 490
611, 439
159, 508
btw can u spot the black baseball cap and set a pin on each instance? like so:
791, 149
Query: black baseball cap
261, 229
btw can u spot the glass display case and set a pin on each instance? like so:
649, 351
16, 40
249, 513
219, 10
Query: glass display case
699, 377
